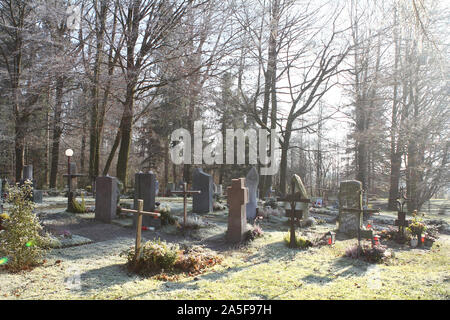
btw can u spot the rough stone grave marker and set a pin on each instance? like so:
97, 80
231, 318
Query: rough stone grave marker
237, 197
145, 189
106, 199
350, 207
251, 182
203, 202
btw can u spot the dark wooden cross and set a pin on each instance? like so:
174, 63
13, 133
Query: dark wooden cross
401, 221
140, 211
293, 213
185, 193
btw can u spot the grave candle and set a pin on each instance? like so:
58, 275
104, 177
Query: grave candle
376, 240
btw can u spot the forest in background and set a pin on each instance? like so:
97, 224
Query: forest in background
357, 89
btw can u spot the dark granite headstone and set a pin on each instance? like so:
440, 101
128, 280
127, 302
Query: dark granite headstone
203, 202
106, 199
145, 189
28, 172
37, 196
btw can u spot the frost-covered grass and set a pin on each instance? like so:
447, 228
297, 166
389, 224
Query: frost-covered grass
265, 269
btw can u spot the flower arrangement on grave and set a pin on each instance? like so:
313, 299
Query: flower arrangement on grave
375, 254
166, 217
417, 226
195, 222
255, 230
300, 242
23, 241
392, 234
271, 202
431, 234
218, 206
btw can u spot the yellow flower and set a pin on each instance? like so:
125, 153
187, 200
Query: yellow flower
4, 216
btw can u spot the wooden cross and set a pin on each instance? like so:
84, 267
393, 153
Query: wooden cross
293, 213
185, 193
140, 211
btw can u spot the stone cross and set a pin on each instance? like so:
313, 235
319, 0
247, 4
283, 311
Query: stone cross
185, 192
140, 211
237, 197
298, 194
251, 182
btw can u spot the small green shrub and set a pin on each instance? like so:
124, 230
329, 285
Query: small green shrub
22, 241
299, 241
78, 207
159, 256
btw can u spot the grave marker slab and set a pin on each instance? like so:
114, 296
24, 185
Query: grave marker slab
203, 202
237, 197
350, 207
145, 189
106, 199
37, 196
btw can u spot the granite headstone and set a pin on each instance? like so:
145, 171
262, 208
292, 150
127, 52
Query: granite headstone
106, 199
203, 202
145, 189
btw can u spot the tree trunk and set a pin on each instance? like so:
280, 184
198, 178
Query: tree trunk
57, 131
125, 140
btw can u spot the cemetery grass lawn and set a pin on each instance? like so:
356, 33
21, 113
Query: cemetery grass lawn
264, 269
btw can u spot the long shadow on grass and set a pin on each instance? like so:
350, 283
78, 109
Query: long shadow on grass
104, 277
